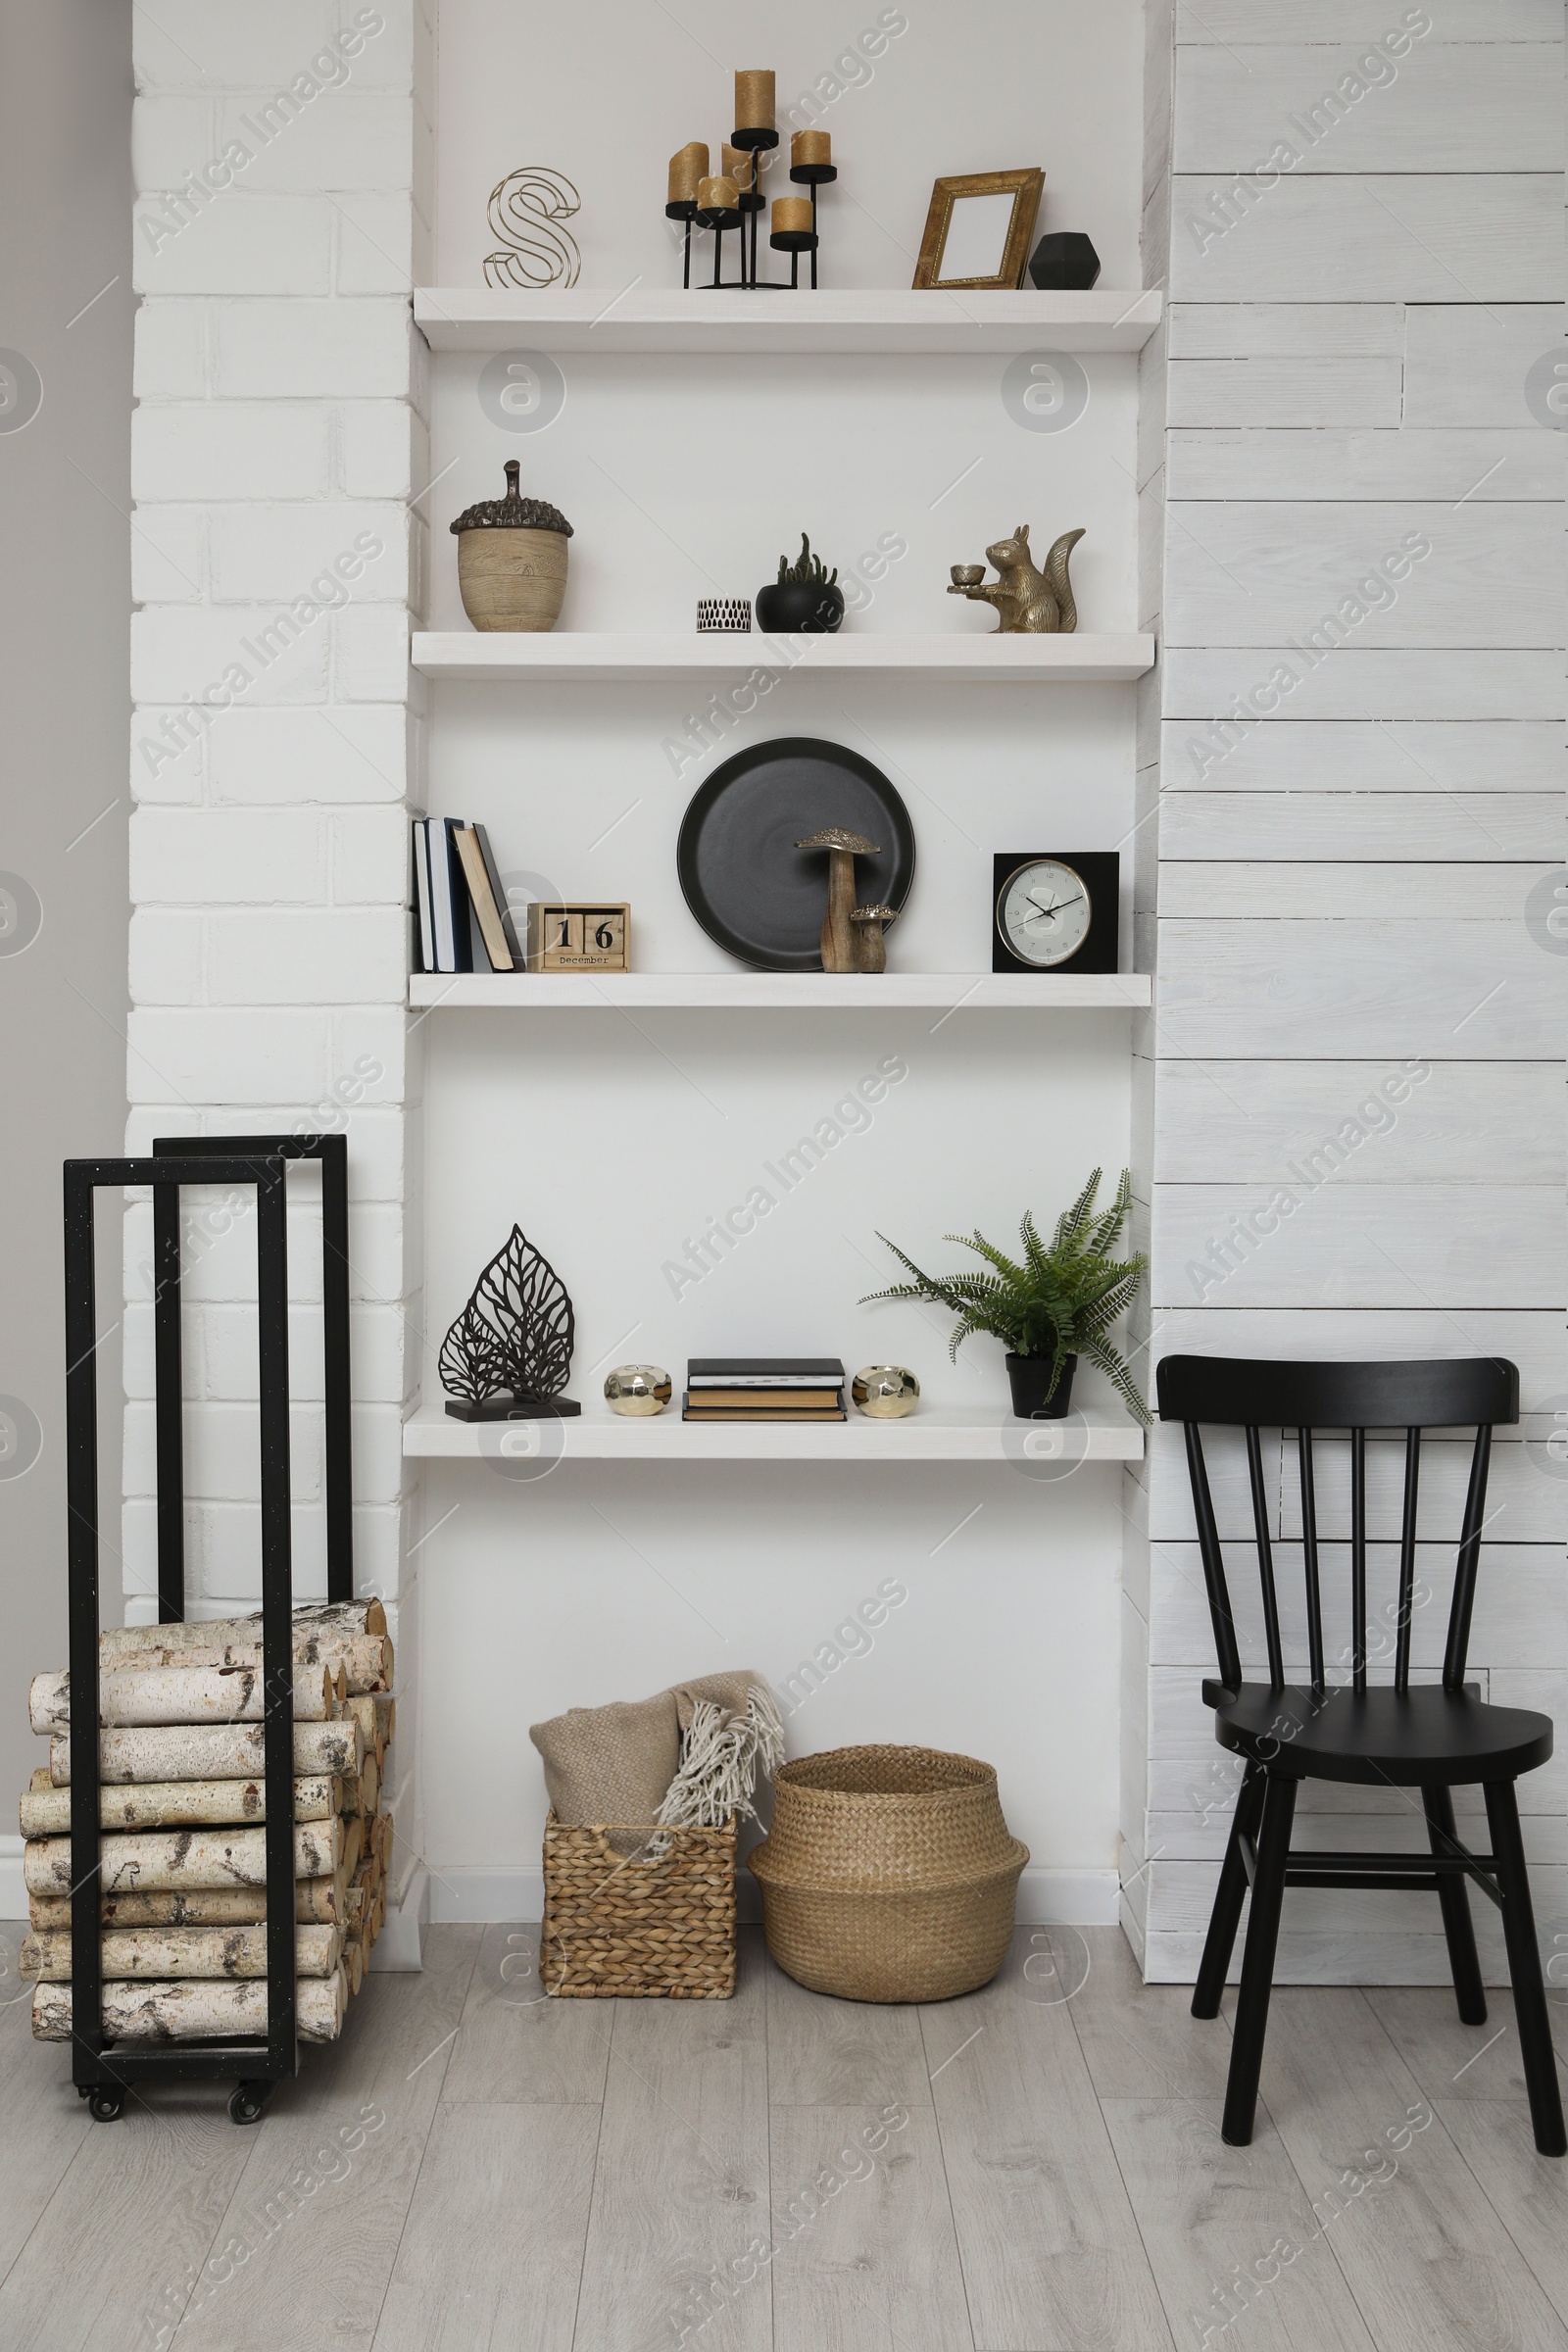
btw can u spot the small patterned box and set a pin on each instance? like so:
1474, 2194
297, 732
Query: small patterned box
718, 614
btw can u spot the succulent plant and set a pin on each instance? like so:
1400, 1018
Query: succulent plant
807, 570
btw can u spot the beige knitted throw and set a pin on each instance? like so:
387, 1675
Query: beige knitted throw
687, 1758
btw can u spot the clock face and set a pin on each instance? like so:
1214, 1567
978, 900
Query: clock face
1043, 913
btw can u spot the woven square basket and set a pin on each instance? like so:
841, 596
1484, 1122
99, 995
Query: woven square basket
616, 1928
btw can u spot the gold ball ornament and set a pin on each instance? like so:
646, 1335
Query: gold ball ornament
637, 1389
885, 1391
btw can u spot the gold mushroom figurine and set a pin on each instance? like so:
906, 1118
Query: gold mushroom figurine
839, 943
872, 956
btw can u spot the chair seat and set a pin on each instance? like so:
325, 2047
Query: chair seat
1425, 1737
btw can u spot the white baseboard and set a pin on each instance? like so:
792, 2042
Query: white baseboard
474, 1894
399, 1949
1132, 1927
1069, 1898
13, 1894
1341, 1957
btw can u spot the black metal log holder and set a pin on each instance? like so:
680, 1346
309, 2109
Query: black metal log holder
103, 2075
719, 219
332, 1152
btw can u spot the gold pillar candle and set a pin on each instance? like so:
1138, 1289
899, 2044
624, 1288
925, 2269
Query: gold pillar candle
812, 147
739, 164
717, 195
753, 101
686, 169
792, 213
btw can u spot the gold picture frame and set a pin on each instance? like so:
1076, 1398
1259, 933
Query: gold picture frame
984, 234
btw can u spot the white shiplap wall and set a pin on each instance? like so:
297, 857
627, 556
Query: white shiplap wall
1333, 874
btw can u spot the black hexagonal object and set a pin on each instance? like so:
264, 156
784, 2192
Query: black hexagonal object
1065, 263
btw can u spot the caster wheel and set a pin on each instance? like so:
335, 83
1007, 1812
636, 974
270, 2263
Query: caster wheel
105, 2105
248, 2103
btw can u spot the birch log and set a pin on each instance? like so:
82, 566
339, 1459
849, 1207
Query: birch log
211, 1751
168, 1804
153, 1953
386, 1715
362, 1793
170, 1694
361, 1707
199, 2009
365, 1658
317, 1902
163, 1861
322, 1617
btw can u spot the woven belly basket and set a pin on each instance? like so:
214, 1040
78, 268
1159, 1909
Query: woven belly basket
889, 1873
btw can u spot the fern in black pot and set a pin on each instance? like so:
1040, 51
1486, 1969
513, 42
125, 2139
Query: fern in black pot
1059, 1303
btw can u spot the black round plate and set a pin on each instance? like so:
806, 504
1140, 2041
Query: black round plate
752, 890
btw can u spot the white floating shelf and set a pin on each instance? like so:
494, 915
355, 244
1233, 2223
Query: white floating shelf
863, 318
942, 1434
838, 991
594, 657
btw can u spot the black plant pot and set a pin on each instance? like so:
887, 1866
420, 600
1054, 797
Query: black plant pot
1030, 1376
807, 606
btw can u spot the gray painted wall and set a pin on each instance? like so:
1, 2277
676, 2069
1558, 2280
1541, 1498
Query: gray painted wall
64, 498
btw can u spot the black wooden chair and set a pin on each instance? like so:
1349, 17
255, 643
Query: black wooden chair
1431, 1737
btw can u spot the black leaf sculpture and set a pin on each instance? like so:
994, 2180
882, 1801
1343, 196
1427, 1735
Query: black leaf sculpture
507, 1357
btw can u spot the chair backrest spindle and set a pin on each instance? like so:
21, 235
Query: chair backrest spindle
1265, 1560
1412, 1477
1359, 1559
1314, 1591
1464, 1574
1226, 1651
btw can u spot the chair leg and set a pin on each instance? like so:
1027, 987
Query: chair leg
1523, 1965
1257, 1959
1455, 1897
1228, 1897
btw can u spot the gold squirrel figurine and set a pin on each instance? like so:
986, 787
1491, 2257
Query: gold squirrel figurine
1025, 597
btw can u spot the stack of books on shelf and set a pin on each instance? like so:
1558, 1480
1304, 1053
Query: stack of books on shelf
462, 920
765, 1387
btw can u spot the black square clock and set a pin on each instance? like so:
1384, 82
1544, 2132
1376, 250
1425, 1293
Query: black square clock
1055, 910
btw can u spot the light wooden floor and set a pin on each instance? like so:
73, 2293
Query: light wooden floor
1035, 2169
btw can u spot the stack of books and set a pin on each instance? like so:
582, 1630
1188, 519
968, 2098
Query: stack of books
765, 1387
464, 923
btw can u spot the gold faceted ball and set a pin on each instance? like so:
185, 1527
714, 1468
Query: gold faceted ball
885, 1391
636, 1390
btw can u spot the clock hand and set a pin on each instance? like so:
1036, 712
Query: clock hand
1058, 910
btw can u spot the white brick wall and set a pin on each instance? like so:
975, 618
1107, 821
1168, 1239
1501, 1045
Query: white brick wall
195, 855
281, 158
301, 350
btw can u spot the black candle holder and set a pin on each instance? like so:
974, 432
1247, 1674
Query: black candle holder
742, 214
685, 211
812, 177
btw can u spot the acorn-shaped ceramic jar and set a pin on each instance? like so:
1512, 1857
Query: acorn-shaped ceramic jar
511, 560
